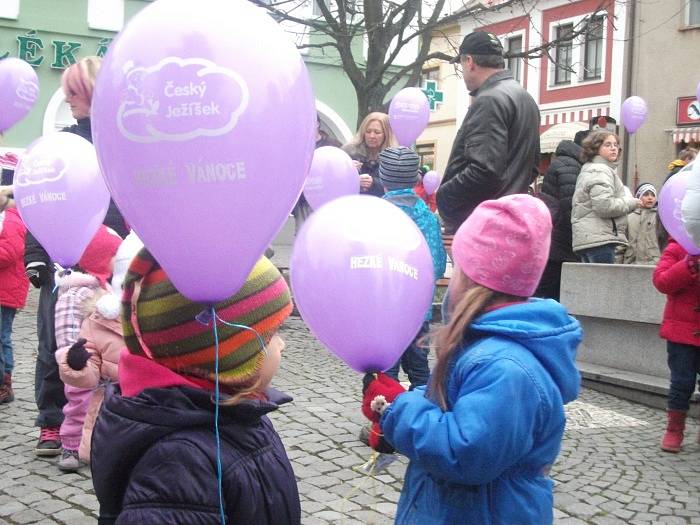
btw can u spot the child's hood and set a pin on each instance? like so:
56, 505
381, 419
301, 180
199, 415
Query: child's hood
545, 328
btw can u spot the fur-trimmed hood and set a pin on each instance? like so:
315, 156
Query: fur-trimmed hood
102, 302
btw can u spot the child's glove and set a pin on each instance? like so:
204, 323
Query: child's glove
38, 274
77, 356
379, 391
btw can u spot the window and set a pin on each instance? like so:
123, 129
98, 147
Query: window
432, 73
105, 14
593, 49
426, 152
693, 18
515, 45
9, 9
563, 54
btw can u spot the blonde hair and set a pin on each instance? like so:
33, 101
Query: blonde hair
80, 77
358, 141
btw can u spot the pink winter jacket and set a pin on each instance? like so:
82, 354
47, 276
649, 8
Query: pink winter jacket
103, 331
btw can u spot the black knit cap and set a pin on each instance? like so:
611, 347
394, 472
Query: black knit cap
480, 43
398, 168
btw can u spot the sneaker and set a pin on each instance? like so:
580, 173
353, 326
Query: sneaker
69, 462
49, 442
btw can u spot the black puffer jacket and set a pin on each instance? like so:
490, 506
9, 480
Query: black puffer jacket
560, 183
153, 461
496, 150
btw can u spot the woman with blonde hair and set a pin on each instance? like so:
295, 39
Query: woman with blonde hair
373, 137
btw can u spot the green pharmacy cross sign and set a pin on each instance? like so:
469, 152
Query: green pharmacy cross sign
435, 96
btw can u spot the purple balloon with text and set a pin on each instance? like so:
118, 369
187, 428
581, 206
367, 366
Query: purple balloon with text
409, 113
670, 201
19, 90
431, 181
362, 278
204, 139
332, 175
60, 194
634, 113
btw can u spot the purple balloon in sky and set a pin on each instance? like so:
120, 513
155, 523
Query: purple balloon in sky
431, 181
19, 90
409, 113
362, 278
204, 138
670, 201
634, 113
332, 175
60, 194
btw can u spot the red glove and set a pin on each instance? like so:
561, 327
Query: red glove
379, 392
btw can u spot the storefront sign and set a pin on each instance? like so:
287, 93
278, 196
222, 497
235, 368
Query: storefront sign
30, 48
688, 111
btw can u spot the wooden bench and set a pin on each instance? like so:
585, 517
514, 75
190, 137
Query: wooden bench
447, 243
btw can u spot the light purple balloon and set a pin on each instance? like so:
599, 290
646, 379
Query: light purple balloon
332, 175
204, 139
697, 92
362, 278
670, 201
409, 113
60, 194
634, 113
431, 181
19, 90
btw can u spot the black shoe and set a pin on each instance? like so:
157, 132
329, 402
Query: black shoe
49, 442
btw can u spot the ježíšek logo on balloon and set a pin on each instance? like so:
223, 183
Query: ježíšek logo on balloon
27, 92
181, 99
39, 170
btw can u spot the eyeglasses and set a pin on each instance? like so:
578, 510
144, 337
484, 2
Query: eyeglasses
611, 145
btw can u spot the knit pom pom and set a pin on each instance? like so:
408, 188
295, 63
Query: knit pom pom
109, 306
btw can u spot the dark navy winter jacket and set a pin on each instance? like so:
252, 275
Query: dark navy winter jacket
153, 461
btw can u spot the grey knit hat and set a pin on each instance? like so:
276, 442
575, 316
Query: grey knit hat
398, 168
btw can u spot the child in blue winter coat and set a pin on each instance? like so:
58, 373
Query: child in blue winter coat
483, 435
399, 173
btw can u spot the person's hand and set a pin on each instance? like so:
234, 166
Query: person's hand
693, 262
365, 181
639, 203
357, 164
378, 392
77, 356
38, 274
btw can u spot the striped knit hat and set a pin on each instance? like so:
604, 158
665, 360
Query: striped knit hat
160, 324
398, 168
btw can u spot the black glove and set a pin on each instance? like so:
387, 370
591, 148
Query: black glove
366, 380
77, 356
38, 275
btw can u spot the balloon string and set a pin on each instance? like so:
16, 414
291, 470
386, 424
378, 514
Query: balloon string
219, 476
244, 327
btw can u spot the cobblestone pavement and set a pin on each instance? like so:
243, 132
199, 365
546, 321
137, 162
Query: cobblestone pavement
610, 469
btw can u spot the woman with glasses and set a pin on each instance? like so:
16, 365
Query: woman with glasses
600, 204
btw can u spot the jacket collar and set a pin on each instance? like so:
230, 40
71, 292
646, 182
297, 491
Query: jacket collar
496, 77
600, 160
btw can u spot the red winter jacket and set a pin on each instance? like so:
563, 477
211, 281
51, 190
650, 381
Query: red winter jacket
14, 284
674, 278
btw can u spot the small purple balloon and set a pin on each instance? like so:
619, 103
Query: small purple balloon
634, 113
60, 194
670, 201
204, 140
332, 175
697, 92
362, 278
19, 90
431, 181
409, 113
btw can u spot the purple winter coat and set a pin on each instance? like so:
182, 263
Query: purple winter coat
153, 461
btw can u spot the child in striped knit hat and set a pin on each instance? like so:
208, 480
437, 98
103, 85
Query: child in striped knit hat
154, 449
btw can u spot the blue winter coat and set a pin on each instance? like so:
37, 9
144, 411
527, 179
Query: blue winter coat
485, 460
153, 461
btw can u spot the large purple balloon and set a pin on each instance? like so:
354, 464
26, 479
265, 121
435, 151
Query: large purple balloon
634, 113
690, 208
204, 138
431, 181
60, 194
670, 201
19, 89
332, 175
409, 113
362, 277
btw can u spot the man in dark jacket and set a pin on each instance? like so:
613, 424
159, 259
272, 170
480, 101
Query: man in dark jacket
497, 148
559, 185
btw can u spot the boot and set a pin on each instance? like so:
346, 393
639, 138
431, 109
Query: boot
6, 393
673, 438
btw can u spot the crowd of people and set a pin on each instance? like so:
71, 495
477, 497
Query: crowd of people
126, 378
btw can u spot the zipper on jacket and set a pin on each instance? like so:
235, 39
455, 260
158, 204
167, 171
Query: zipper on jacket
614, 227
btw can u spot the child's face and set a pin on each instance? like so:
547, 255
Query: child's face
648, 199
272, 360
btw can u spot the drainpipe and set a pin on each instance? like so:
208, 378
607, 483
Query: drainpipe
628, 84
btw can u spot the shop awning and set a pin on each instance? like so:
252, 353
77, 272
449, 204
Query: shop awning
552, 136
685, 135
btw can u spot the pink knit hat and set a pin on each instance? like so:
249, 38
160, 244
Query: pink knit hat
504, 244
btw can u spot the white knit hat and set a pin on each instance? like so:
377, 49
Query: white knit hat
129, 247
